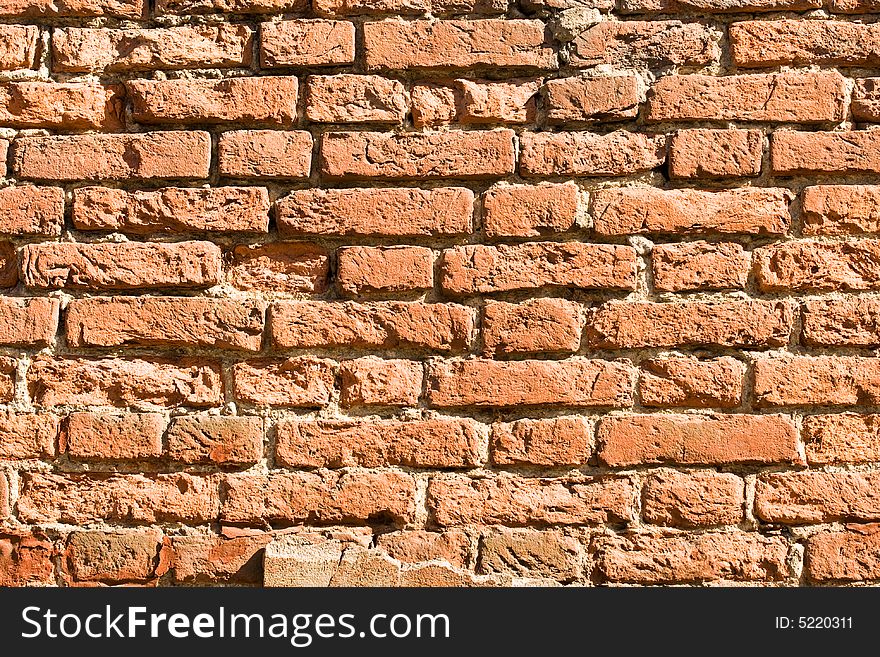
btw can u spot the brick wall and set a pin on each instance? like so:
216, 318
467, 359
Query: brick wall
433, 292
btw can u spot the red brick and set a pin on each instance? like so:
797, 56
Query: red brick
210, 558
8, 265
408, 7
123, 382
4, 156
530, 553
646, 44
28, 436
94, 436
550, 442
508, 500
29, 210
133, 498
265, 154
692, 383
18, 46
165, 322
68, 106
703, 153
534, 326
691, 558
5, 508
355, 99
697, 439
280, 267
298, 382
588, 154
371, 211
803, 42
825, 152
866, 100
144, 156
117, 556
801, 498
716, 6
431, 443
823, 380
853, 322
594, 98
840, 209
511, 101
842, 438
366, 270
700, 266
269, 100
531, 210
372, 381
852, 6
325, 497
800, 97
26, 559
213, 440
381, 325
818, 266
415, 546
42, 8
848, 556
477, 269
639, 210
172, 210
82, 50
28, 321
634, 325
8, 367
434, 155
120, 265
435, 104
573, 382
393, 44
306, 43
693, 499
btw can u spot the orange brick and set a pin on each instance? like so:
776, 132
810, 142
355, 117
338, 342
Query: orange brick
280, 267
19, 46
216, 440
305, 382
550, 442
807, 265
587, 99
355, 99
693, 499
306, 43
821, 380
530, 210
588, 154
646, 44
810, 497
365, 270
692, 383
68, 106
93, 436
702, 153
372, 381
265, 154
537, 325
699, 266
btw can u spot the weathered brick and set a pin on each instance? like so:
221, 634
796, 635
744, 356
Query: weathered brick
458, 154
398, 212
366, 270
27, 435
716, 6
5, 508
531, 210
28, 321
298, 382
408, 7
646, 43
458, 500
40, 8
187, 7
270, 100
818, 266
841, 209
210, 558
810, 497
165, 322
483, 102
8, 367
29, 210
800, 97
55, 381
114, 556
96, 436
851, 322
68, 106
821, 380
26, 559
692, 383
573, 382
852, 555
325, 497
842, 438
355, 99
372, 381
18, 46
431, 443
8, 265
265, 154
306, 43
593, 98
393, 44
212, 439
380, 325
865, 103
280, 267
588, 154
691, 558
133, 498
478, 269
699, 266
144, 156
549, 442
529, 553
80, 50
705, 153
537, 325
693, 499
435, 104
634, 325
825, 152
697, 439
415, 546
638, 210
120, 265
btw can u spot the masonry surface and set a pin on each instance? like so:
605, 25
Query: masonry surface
439, 292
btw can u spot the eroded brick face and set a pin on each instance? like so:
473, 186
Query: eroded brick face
439, 292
